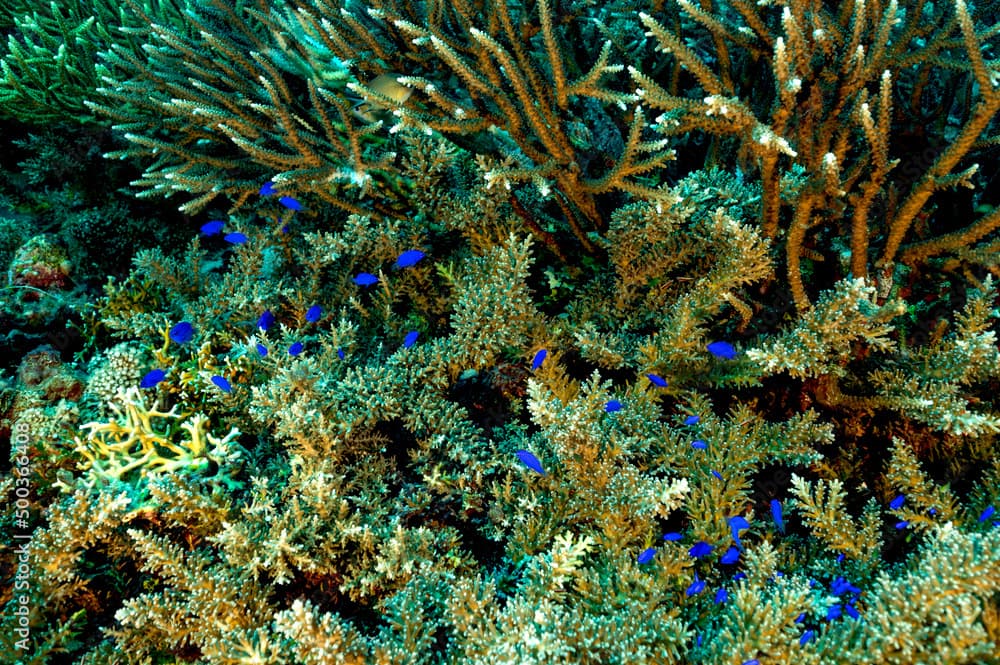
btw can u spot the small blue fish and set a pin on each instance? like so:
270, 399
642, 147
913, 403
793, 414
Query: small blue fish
737, 523
539, 358
266, 320
267, 189
340, 353
314, 314
802, 617
752, 661
776, 515
806, 637
213, 227
410, 339
691, 420
987, 513
182, 333
612, 406
840, 586
673, 535
365, 279
851, 611
408, 258
716, 474
222, 384
657, 380
699, 444
235, 238
152, 378
530, 461
721, 596
290, 203
262, 350
730, 556
897, 503
295, 349
840, 558
696, 587
700, 549
646, 555
722, 350
902, 524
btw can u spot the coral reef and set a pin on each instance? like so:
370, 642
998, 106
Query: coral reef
500, 332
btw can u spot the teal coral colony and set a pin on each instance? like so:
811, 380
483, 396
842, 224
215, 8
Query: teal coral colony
488, 332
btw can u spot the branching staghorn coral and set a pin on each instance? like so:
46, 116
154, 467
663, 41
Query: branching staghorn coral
843, 84
50, 61
219, 116
139, 443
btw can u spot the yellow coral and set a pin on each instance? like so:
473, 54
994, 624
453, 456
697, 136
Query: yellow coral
150, 441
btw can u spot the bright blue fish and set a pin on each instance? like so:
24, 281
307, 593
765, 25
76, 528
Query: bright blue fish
612, 406
730, 556
235, 238
851, 611
806, 637
182, 333
290, 203
673, 535
408, 258
776, 515
267, 189
902, 524
700, 549
897, 503
723, 350
266, 320
840, 586
646, 555
530, 461
213, 227
699, 444
365, 279
721, 596
295, 349
262, 350
716, 474
222, 384
657, 380
152, 378
340, 353
410, 339
696, 587
802, 617
691, 420
987, 513
539, 358
314, 314
752, 661
737, 523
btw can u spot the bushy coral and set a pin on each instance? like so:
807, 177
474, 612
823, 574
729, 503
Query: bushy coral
498, 358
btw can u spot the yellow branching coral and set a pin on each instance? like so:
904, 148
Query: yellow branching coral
143, 441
